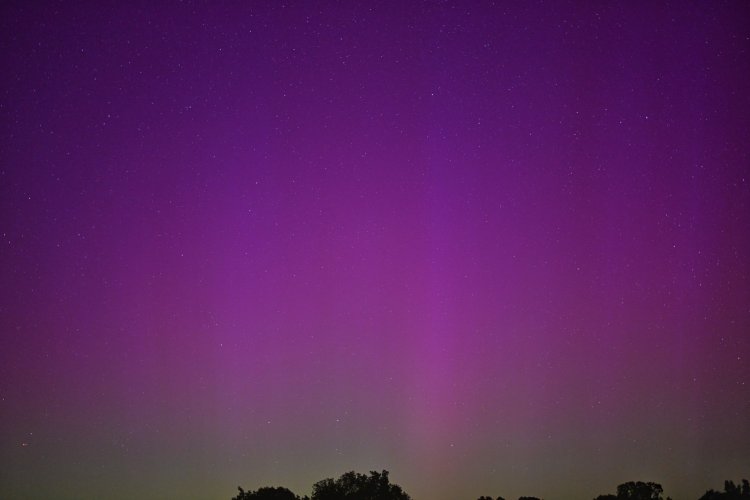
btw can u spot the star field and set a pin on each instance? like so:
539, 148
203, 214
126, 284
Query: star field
495, 249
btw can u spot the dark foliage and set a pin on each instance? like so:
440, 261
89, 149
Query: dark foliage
731, 492
639, 491
377, 486
354, 486
266, 493
636, 490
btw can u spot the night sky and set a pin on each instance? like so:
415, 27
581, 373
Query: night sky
494, 249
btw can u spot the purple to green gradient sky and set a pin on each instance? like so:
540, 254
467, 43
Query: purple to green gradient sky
494, 249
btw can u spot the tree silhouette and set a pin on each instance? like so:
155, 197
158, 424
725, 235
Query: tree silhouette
354, 486
636, 490
377, 486
731, 492
639, 491
266, 493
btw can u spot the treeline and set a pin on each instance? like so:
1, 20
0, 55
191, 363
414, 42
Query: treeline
377, 486
638, 490
350, 486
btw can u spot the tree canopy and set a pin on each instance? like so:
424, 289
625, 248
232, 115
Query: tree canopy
377, 486
354, 486
266, 493
639, 491
731, 492
636, 490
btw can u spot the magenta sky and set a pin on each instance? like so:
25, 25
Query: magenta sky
494, 249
